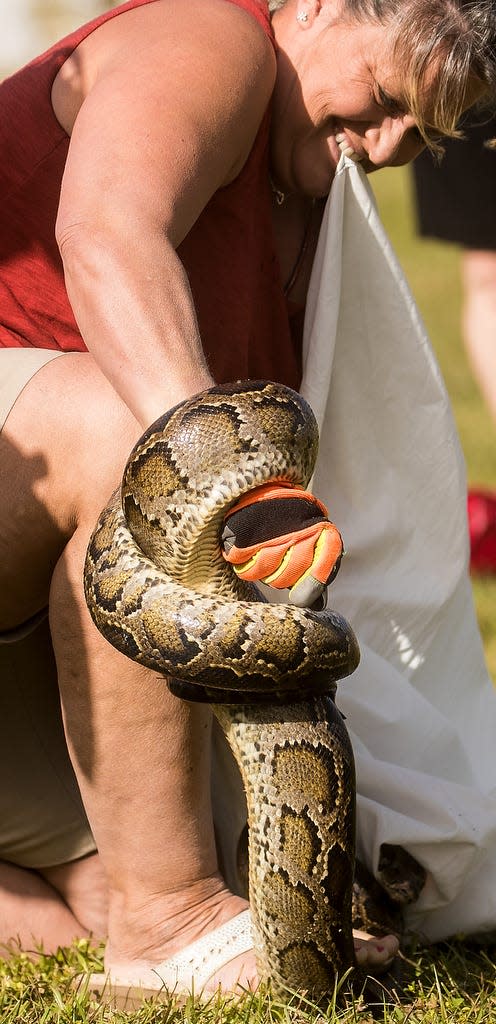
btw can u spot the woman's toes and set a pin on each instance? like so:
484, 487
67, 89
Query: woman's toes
240, 973
375, 952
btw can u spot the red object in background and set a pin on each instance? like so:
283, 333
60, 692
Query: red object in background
482, 530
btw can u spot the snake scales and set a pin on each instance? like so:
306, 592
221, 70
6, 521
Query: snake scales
159, 590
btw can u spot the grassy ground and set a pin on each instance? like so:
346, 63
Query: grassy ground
453, 984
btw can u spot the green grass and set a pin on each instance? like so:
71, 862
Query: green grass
452, 984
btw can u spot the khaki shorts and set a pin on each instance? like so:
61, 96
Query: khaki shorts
17, 366
42, 820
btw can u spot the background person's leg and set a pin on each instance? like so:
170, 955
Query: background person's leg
479, 320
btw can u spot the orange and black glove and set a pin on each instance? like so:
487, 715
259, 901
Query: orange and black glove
280, 535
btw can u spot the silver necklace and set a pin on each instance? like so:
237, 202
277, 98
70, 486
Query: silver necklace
280, 197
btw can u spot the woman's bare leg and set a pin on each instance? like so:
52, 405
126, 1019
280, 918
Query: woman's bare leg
479, 320
143, 764
52, 907
82, 885
33, 914
142, 757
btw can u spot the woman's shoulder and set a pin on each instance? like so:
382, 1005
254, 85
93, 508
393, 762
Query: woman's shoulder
223, 42
258, 9
236, 29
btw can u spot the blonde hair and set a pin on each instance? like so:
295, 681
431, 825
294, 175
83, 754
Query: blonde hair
457, 36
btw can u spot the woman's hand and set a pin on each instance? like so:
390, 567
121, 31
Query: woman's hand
280, 535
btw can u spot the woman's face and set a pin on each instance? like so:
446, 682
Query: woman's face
336, 90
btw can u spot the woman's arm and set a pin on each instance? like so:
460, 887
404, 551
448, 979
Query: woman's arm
170, 117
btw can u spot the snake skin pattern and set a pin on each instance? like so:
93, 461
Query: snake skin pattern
159, 590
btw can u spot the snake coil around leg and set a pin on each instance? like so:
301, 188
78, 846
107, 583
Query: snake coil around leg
159, 590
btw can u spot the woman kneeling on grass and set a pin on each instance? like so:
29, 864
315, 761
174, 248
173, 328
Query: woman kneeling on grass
165, 169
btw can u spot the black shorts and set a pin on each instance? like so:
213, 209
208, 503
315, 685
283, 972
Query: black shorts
456, 200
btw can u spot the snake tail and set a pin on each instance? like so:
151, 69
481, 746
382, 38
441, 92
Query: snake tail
298, 772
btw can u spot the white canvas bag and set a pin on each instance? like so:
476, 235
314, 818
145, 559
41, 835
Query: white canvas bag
421, 708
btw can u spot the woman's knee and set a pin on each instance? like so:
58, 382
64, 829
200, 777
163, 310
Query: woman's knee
67, 439
62, 449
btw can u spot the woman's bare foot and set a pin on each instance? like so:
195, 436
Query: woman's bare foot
374, 953
53, 906
33, 915
82, 885
192, 915
184, 918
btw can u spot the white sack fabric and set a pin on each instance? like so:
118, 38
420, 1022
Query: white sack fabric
420, 709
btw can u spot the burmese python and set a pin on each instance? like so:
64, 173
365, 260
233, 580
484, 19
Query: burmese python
159, 590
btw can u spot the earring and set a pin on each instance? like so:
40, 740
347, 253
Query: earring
302, 16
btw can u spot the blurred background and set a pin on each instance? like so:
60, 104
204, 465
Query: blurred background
432, 268
29, 26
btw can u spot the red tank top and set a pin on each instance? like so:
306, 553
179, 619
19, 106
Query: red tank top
229, 254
